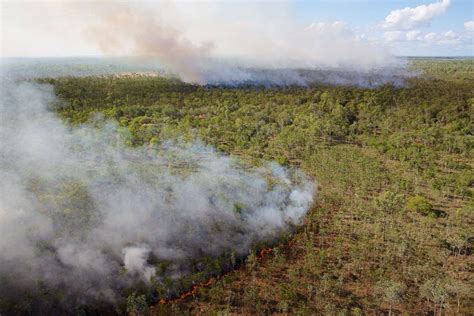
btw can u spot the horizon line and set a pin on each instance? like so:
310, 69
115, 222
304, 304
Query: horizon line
132, 56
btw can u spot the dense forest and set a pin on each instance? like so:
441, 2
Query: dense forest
392, 227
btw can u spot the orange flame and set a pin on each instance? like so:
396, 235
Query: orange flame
261, 254
189, 293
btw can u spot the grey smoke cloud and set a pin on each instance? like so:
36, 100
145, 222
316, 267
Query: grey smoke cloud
82, 215
232, 49
207, 43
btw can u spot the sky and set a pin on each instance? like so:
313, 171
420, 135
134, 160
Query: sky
404, 28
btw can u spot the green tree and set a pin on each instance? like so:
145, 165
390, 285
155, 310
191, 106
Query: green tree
437, 292
420, 205
392, 293
136, 304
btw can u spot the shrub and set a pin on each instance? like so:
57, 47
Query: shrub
420, 205
136, 304
389, 202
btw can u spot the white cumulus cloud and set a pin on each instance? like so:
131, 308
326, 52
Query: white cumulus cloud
431, 36
410, 18
444, 38
393, 36
413, 35
447, 38
469, 26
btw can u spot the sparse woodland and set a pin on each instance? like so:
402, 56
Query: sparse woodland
392, 229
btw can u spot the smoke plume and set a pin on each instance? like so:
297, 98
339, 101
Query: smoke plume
214, 48
85, 217
120, 27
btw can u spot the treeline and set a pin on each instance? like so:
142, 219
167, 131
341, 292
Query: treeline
392, 228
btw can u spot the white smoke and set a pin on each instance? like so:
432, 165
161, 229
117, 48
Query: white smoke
235, 50
210, 43
82, 215
135, 261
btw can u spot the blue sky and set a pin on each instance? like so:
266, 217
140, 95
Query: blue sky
366, 16
361, 13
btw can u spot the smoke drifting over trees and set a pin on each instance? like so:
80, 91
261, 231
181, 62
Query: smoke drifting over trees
224, 56
84, 215
202, 43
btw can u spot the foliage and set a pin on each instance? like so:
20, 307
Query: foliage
136, 304
392, 292
421, 205
373, 153
389, 202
